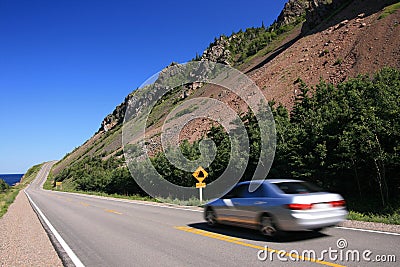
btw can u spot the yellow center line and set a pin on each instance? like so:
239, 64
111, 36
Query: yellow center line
239, 242
113, 211
84, 204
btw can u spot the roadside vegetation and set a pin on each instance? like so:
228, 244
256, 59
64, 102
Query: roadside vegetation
389, 10
9, 193
3, 186
388, 218
344, 138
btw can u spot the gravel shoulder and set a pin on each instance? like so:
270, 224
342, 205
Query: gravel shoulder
23, 241
392, 228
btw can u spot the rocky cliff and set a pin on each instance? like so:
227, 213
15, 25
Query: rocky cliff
292, 11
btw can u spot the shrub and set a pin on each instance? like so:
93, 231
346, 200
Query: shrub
3, 186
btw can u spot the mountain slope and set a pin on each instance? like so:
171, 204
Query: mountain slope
355, 37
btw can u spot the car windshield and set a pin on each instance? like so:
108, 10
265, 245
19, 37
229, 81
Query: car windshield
297, 187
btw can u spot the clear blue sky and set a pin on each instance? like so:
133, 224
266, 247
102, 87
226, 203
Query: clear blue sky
65, 65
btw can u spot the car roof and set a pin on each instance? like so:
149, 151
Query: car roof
283, 180
272, 181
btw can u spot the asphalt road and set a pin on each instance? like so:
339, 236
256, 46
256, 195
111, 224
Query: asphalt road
103, 232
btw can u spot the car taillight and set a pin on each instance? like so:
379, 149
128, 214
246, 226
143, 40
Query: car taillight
338, 203
296, 206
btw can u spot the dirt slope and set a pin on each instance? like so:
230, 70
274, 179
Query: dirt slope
357, 44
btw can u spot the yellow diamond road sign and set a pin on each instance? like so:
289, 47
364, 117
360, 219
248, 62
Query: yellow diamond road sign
200, 174
200, 185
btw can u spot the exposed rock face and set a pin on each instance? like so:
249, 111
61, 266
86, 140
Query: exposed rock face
136, 101
113, 119
218, 52
315, 12
292, 11
188, 89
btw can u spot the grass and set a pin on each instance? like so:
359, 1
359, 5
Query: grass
389, 10
68, 188
268, 48
49, 181
183, 112
338, 61
8, 197
372, 211
393, 218
102, 194
190, 202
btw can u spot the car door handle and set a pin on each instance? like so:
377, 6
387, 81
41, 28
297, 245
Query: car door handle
259, 202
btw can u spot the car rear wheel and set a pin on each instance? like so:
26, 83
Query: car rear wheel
211, 218
267, 226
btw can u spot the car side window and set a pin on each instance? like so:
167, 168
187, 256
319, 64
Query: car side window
261, 191
237, 192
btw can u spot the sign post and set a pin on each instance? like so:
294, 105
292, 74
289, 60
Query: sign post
200, 174
59, 184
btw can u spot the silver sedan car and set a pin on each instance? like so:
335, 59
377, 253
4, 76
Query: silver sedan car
277, 205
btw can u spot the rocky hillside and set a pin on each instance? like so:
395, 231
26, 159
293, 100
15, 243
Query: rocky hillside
310, 40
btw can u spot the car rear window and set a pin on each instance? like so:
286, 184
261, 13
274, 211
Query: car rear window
297, 187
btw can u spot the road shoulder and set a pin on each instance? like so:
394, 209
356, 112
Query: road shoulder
23, 240
373, 226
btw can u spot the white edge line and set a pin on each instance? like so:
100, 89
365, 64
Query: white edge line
64, 244
366, 230
125, 201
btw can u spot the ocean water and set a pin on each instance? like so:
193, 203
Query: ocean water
11, 179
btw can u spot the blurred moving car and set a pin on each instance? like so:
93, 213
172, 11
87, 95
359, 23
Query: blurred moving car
277, 205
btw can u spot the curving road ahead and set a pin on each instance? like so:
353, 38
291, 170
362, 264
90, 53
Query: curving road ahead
111, 232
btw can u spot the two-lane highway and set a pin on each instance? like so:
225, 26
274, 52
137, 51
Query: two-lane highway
108, 232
